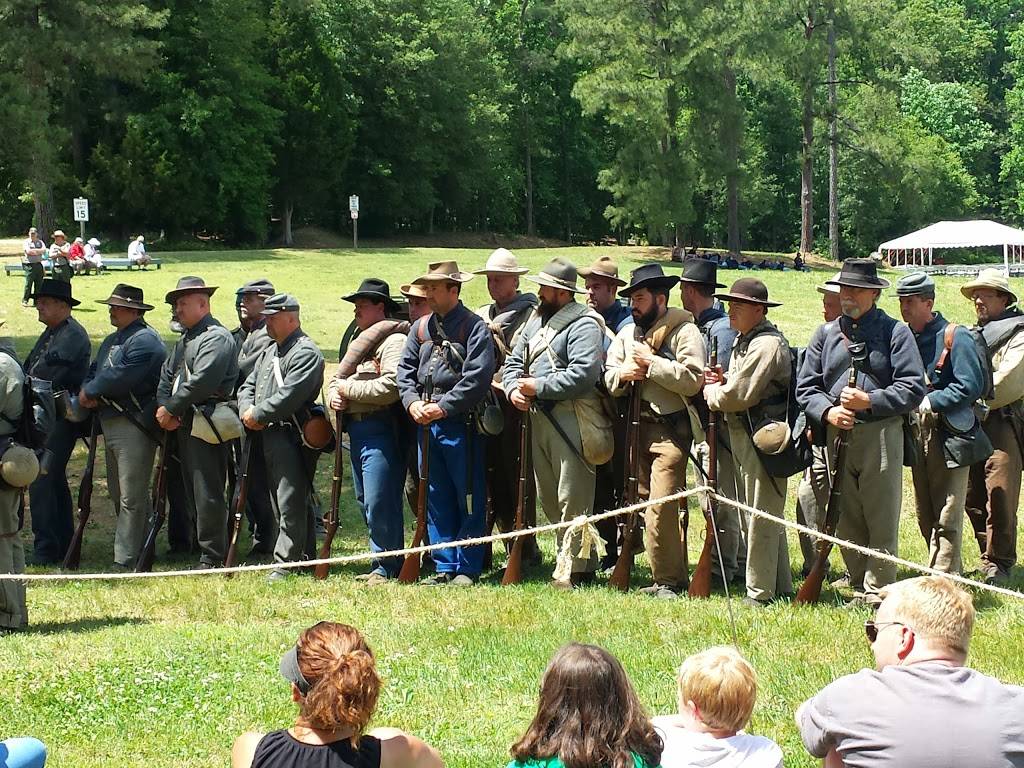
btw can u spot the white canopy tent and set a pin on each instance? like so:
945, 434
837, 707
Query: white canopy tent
917, 248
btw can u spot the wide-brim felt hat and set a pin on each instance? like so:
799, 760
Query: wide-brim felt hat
605, 267
373, 289
990, 277
412, 291
830, 286
444, 271
648, 276
189, 284
859, 273
502, 262
751, 290
558, 273
55, 289
700, 271
127, 296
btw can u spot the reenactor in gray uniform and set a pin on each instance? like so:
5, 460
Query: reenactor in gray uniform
200, 373
666, 360
890, 384
506, 315
948, 433
275, 400
757, 379
60, 356
122, 384
556, 364
993, 488
253, 340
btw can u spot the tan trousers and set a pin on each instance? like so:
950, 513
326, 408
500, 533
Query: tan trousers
662, 473
768, 574
993, 492
939, 496
731, 522
565, 484
871, 499
13, 608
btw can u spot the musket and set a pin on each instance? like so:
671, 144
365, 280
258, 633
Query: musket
332, 521
241, 496
810, 590
73, 557
489, 519
144, 562
630, 491
410, 572
700, 582
514, 566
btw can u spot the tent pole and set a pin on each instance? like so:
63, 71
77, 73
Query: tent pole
1006, 259
929, 256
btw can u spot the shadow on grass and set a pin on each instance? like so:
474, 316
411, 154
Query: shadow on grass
83, 625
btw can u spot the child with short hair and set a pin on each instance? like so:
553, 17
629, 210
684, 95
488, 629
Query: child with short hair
717, 689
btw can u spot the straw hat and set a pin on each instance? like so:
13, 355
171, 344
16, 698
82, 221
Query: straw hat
989, 278
501, 262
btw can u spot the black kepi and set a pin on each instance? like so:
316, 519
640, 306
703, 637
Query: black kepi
648, 276
859, 273
55, 289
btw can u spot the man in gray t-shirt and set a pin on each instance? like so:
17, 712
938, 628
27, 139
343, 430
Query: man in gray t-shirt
922, 708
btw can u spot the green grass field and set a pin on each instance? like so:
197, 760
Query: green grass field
167, 672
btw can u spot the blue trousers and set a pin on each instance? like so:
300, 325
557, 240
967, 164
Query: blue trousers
448, 517
22, 752
50, 498
378, 475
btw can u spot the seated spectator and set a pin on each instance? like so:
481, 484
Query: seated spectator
763, 264
137, 252
747, 264
92, 255
22, 752
76, 256
731, 262
716, 694
588, 716
333, 676
920, 706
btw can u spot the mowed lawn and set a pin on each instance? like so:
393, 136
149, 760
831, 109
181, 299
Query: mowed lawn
165, 673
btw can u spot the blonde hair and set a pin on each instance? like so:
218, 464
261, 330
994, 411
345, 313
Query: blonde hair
935, 608
342, 672
722, 684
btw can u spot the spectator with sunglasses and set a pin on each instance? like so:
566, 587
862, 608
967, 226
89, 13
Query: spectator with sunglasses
921, 706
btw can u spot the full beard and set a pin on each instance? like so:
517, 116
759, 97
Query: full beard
647, 320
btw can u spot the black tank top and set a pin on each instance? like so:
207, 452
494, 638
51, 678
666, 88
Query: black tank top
278, 749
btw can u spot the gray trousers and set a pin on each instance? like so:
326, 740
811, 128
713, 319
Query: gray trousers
939, 496
872, 494
289, 465
811, 500
565, 484
204, 474
129, 454
768, 573
13, 608
731, 522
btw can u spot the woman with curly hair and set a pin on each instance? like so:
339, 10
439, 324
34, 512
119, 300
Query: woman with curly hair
333, 676
588, 716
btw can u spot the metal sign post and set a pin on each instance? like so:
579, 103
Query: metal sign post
81, 206
353, 209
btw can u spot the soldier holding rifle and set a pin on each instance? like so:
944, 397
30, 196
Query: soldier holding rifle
365, 390
452, 349
198, 376
753, 390
950, 436
275, 400
890, 385
666, 360
121, 386
553, 372
993, 488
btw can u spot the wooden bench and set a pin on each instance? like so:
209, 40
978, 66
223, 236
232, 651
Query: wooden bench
19, 268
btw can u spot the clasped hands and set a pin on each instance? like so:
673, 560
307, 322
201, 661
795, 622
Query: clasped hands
638, 366
851, 400
424, 412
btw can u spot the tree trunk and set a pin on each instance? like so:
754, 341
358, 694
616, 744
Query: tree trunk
286, 220
807, 171
531, 226
833, 145
46, 216
730, 135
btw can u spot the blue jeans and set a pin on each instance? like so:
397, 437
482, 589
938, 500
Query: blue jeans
448, 517
378, 475
22, 752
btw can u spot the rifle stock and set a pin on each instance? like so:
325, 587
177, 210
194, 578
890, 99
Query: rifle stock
410, 572
700, 582
514, 566
810, 590
331, 527
231, 558
73, 557
624, 564
147, 555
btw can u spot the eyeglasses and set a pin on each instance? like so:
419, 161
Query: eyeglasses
871, 628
